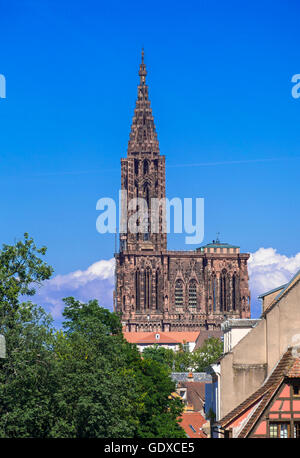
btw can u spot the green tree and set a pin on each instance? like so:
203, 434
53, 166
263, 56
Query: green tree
183, 359
207, 354
97, 394
159, 417
164, 356
21, 269
84, 381
109, 390
24, 382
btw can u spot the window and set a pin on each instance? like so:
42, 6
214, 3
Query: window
147, 194
146, 167
192, 294
186, 347
136, 166
147, 288
296, 390
297, 429
223, 291
214, 292
234, 291
178, 294
280, 430
137, 289
157, 289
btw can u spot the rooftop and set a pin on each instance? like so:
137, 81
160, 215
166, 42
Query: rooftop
161, 337
192, 423
239, 323
272, 291
197, 377
287, 366
282, 291
217, 244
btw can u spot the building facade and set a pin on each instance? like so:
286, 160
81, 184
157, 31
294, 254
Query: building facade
248, 364
158, 289
273, 411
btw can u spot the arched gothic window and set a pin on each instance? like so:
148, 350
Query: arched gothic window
234, 291
214, 293
146, 167
147, 288
136, 166
178, 294
223, 291
137, 289
157, 289
147, 194
192, 294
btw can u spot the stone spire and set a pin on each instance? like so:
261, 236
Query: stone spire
143, 137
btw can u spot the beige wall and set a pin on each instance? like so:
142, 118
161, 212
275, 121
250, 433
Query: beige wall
244, 369
287, 315
269, 298
233, 336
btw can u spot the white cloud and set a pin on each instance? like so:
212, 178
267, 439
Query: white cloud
267, 270
96, 282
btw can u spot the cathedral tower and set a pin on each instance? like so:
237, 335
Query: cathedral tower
157, 289
143, 176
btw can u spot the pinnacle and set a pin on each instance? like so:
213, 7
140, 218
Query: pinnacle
143, 137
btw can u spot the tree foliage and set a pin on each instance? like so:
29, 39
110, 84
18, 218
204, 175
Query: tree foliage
207, 354
80, 382
183, 360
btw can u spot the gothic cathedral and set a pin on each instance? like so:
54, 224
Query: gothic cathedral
161, 290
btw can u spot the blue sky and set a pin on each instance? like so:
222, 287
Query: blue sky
219, 76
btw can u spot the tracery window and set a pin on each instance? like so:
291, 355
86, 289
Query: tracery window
136, 166
146, 167
178, 294
214, 292
157, 289
147, 288
137, 289
223, 291
192, 294
234, 291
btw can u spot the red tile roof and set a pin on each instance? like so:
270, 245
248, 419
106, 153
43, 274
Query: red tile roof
192, 423
171, 337
195, 394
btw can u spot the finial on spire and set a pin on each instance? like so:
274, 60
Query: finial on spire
143, 71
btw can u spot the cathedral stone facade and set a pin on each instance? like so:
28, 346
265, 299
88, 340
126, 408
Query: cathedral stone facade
161, 290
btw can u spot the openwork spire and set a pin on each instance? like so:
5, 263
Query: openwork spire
143, 137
